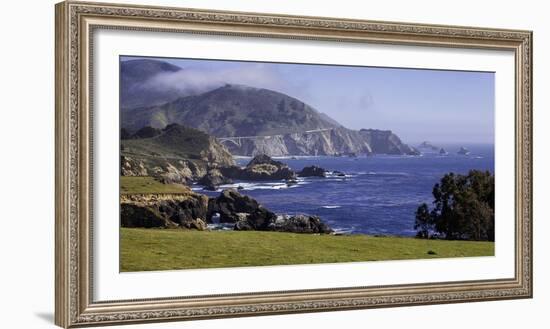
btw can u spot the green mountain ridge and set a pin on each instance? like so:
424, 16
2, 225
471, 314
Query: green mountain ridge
232, 110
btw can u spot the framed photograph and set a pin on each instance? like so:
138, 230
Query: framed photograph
218, 164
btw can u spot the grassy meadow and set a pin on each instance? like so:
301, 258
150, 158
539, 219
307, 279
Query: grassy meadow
172, 249
146, 185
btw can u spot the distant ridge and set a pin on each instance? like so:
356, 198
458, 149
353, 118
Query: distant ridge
233, 110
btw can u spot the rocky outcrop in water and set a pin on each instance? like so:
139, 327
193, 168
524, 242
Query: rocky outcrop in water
213, 179
463, 151
425, 145
293, 224
300, 224
233, 207
248, 214
312, 171
261, 167
186, 210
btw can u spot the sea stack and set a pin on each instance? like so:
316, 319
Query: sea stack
463, 151
427, 146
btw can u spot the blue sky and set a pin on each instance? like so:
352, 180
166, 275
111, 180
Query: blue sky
434, 105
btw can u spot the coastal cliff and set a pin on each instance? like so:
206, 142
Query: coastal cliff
190, 210
184, 210
175, 154
334, 142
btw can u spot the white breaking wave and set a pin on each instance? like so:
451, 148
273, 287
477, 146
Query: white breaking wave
339, 231
220, 227
259, 186
331, 207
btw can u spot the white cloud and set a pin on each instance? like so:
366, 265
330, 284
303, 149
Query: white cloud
196, 80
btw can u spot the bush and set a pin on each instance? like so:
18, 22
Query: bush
464, 208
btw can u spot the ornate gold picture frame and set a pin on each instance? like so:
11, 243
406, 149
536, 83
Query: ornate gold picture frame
76, 23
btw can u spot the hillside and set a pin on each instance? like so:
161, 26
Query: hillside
233, 110
175, 154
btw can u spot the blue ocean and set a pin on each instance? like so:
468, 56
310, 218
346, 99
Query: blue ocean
378, 194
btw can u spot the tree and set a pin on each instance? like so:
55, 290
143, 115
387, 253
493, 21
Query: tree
463, 208
423, 223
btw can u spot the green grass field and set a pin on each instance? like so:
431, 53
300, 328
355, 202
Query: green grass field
145, 185
169, 249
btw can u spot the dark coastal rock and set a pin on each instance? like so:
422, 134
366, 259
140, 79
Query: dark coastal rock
300, 224
266, 221
268, 172
232, 172
132, 215
248, 214
260, 168
194, 224
261, 219
312, 171
412, 151
210, 187
264, 159
193, 211
186, 210
428, 146
443, 152
213, 179
463, 151
234, 207
243, 226
290, 182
